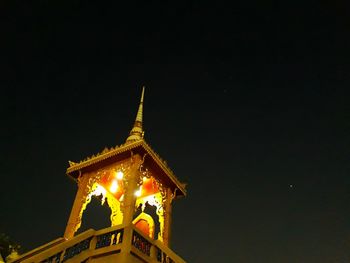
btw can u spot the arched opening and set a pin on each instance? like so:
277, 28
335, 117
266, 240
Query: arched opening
96, 216
145, 224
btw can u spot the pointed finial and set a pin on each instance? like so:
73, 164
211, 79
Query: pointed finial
137, 132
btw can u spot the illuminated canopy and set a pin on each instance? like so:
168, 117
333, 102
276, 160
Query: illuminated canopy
110, 156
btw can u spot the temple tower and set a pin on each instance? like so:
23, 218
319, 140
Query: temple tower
138, 187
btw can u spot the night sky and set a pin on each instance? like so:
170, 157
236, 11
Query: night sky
248, 103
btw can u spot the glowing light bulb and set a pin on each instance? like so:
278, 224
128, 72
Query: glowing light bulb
120, 175
138, 193
144, 178
114, 187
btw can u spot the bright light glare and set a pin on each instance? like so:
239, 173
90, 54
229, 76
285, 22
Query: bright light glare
120, 175
138, 193
99, 191
114, 187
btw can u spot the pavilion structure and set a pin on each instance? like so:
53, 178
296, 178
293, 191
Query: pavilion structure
138, 187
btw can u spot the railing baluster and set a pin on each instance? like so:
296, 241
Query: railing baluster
77, 249
110, 238
141, 243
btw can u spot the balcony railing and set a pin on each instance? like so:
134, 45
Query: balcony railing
92, 244
76, 249
111, 238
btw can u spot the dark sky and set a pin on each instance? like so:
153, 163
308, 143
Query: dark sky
247, 102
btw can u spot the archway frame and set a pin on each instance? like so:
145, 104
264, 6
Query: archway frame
149, 220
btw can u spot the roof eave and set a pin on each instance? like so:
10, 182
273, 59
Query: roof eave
75, 169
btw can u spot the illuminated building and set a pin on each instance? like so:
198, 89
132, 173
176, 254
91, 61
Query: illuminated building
132, 179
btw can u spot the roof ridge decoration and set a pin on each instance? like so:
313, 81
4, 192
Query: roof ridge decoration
137, 132
106, 153
124, 148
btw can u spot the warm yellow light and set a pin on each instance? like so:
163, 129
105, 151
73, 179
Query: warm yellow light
138, 193
99, 191
120, 175
144, 178
114, 187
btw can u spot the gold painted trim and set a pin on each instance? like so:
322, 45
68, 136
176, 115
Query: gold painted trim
103, 156
127, 147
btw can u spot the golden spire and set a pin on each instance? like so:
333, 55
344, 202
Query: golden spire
137, 132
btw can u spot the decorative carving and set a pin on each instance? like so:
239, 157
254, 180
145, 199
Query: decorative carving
105, 150
94, 188
142, 169
162, 191
158, 200
71, 163
173, 195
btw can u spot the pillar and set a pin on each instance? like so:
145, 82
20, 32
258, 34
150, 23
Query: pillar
167, 218
80, 198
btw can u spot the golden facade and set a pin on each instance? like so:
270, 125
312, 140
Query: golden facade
138, 187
